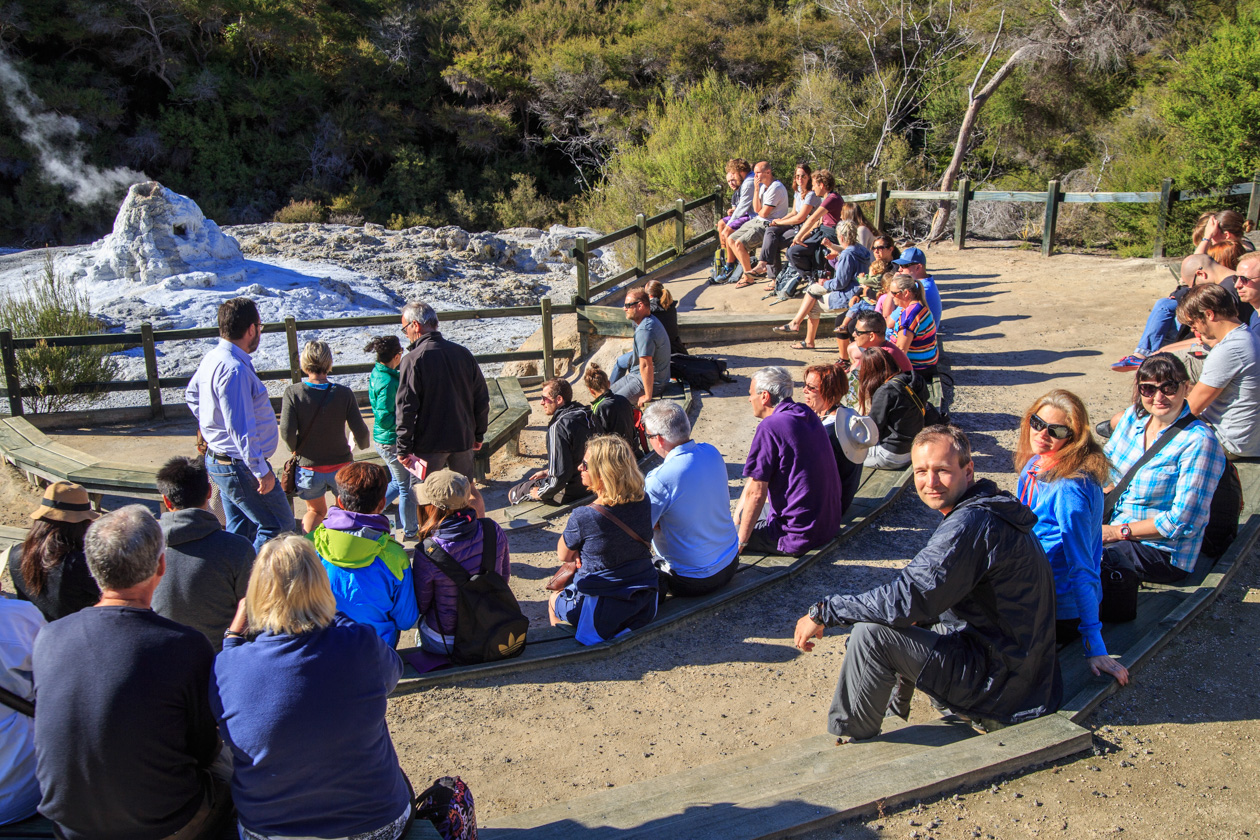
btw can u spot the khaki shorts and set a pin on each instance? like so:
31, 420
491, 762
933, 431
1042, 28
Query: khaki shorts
751, 232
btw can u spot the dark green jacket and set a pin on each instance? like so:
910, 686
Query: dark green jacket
382, 389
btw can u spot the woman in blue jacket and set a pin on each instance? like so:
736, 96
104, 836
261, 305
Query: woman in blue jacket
1062, 470
300, 695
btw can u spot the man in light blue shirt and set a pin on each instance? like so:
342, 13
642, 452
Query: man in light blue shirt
693, 533
239, 426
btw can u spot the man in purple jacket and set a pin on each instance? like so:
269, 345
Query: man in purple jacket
791, 472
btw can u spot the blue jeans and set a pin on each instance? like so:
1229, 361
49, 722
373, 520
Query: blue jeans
621, 367
1161, 325
249, 513
400, 489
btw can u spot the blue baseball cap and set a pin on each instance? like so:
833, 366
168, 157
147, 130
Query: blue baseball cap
910, 256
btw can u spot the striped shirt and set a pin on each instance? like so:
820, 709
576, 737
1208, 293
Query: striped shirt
917, 321
1174, 488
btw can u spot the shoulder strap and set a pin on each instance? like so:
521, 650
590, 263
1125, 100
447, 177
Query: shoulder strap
489, 546
1109, 502
611, 517
446, 564
17, 703
919, 404
332, 386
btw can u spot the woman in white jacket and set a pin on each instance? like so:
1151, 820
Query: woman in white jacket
850, 433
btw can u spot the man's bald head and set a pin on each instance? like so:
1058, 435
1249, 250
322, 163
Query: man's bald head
1195, 263
762, 166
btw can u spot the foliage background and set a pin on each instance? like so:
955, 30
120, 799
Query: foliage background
498, 113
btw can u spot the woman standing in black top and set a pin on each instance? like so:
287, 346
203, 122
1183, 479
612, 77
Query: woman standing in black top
49, 568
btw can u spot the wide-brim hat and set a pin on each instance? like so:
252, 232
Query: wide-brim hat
65, 502
445, 489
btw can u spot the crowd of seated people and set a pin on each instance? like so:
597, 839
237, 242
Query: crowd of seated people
211, 665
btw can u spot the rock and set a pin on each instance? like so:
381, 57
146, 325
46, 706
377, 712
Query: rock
158, 235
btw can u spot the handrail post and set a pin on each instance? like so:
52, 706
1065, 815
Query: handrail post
549, 370
151, 371
1051, 220
1163, 214
12, 383
1253, 206
583, 269
680, 227
881, 204
290, 335
640, 244
960, 222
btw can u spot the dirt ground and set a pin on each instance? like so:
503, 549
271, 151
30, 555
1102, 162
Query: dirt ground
1176, 749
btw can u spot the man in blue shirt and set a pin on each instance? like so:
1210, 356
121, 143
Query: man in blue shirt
239, 426
914, 262
651, 348
693, 535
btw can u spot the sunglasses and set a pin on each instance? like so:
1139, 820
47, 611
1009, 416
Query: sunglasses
1249, 281
856, 333
881, 247
631, 304
1057, 430
582, 466
1168, 389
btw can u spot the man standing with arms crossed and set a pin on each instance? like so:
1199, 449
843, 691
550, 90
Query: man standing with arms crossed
234, 413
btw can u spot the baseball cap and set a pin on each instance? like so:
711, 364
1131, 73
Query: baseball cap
911, 255
445, 489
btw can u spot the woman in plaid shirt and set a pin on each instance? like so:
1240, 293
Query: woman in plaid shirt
1159, 520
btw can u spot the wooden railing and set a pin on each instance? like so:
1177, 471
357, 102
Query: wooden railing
149, 338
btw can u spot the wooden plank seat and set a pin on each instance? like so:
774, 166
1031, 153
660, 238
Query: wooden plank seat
550, 645
534, 514
38, 827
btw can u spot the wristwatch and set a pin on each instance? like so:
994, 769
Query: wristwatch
816, 613
1126, 533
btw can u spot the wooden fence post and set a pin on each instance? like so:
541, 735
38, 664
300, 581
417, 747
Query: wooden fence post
881, 204
960, 212
1253, 206
583, 270
1163, 214
549, 369
151, 371
12, 383
680, 227
290, 334
640, 244
1052, 218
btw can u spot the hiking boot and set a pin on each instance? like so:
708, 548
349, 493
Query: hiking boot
1128, 363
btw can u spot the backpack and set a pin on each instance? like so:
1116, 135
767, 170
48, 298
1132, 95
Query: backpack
489, 623
790, 283
699, 372
448, 804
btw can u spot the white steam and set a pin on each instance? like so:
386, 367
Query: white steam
54, 139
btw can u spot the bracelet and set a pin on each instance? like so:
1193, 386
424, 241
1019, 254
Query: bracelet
233, 634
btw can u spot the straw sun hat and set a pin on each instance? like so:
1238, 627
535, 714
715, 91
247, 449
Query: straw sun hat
65, 502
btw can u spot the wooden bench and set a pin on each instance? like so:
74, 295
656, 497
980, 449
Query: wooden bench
33, 452
38, 827
551, 645
532, 513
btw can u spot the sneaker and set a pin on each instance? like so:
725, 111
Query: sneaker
1127, 364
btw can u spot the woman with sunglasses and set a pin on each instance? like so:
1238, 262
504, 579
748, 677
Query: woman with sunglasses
614, 589
1158, 522
915, 330
1062, 470
780, 232
850, 433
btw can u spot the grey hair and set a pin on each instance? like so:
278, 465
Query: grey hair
775, 381
420, 312
669, 420
123, 547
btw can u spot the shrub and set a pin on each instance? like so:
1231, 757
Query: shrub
298, 212
523, 206
53, 305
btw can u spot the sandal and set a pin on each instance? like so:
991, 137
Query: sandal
787, 328
770, 287
800, 345
745, 282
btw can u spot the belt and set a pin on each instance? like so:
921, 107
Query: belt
223, 459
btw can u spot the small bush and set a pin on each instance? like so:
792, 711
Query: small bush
53, 305
299, 212
351, 219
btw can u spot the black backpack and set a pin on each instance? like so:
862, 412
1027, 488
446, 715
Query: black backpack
700, 372
489, 623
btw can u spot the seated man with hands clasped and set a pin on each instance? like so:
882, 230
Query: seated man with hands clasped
570, 426
693, 536
983, 586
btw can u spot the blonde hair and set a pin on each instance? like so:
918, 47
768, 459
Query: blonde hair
906, 283
656, 289
847, 232
615, 475
288, 589
1080, 456
316, 357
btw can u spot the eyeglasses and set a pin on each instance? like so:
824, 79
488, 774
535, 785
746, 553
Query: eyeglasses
856, 333
631, 304
548, 400
1168, 389
881, 247
582, 466
1057, 430
1244, 279
812, 389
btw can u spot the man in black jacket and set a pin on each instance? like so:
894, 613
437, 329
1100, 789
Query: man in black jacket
443, 405
984, 586
570, 427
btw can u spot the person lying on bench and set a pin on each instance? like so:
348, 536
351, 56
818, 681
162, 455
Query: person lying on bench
790, 473
970, 620
694, 539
